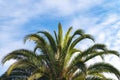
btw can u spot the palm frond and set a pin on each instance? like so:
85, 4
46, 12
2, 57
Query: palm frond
35, 37
92, 49
78, 32
18, 54
67, 36
18, 64
71, 38
103, 67
56, 37
50, 39
35, 76
108, 52
85, 36
60, 36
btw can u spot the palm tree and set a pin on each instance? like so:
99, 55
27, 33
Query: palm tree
55, 59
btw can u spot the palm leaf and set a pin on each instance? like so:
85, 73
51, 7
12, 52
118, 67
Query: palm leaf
51, 40
60, 35
67, 36
19, 63
108, 52
18, 54
103, 67
36, 38
86, 36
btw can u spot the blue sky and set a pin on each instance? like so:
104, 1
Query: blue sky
101, 18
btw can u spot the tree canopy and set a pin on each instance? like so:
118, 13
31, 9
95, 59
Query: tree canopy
56, 61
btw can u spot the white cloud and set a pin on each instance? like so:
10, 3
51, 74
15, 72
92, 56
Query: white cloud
19, 12
69, 7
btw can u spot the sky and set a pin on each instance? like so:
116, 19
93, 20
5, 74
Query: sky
100, 18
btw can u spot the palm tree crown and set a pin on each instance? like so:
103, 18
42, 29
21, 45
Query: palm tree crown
56, 61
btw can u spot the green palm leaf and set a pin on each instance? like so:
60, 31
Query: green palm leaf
18, 54
51, 40
103, 67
